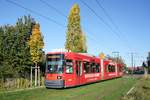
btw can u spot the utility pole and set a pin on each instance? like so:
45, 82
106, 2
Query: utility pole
132, 61
116, 55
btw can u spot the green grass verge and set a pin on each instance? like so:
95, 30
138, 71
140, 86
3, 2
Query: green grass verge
105, 90
141, 91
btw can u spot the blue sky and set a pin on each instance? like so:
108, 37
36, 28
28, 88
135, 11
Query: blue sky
132, 17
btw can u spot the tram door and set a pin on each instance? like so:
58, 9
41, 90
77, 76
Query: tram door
69, 73
78, 72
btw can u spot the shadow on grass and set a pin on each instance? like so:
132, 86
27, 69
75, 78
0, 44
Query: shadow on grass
82, 85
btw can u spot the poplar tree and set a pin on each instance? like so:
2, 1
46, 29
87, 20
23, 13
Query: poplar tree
146, 66
83, 42
36, 45
75, 40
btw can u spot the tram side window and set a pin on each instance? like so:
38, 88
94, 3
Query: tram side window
110, 68
86, 67
97, 68
120, 69
69, 66
93, 68
79, 68
113, 69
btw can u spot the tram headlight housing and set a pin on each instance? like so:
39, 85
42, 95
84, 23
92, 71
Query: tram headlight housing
59, 77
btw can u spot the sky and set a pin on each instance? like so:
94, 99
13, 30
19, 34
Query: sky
129, 32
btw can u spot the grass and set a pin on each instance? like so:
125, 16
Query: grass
141, 91
105, 90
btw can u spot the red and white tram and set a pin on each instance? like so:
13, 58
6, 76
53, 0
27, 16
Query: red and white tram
67, 69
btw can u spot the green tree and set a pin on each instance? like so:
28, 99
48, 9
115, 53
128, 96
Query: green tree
7, 50
117, 59
75, 39
146, 66
1, 51
23, 57
15, 58
1, 44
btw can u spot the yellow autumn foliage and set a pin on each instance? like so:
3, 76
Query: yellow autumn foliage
75, 39
36, 44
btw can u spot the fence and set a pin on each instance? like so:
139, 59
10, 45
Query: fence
17, 83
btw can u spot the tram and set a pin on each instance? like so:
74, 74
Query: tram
68, 69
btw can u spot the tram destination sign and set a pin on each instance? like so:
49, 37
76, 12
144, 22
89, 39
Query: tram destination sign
55, 56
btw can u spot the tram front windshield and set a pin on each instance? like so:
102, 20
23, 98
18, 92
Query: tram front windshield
55, 63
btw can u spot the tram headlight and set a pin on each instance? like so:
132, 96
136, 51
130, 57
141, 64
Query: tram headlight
59, 77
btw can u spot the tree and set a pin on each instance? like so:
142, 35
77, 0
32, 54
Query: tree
117, 59
1, 45
15, 58
146, 66
36, 45
7, 51
83, 43
1, 52
75, 38
101, 55
23, 56
145, 70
